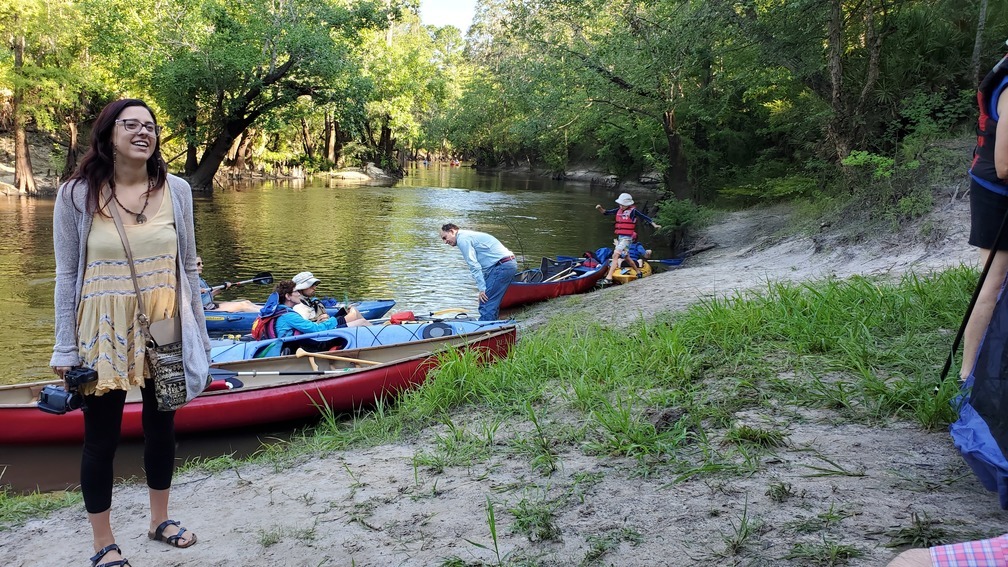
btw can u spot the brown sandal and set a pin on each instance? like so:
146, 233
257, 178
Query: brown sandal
172, 540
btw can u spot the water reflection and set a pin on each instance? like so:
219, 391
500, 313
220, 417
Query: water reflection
28, 468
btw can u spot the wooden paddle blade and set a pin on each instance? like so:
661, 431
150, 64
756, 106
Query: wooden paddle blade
301, 353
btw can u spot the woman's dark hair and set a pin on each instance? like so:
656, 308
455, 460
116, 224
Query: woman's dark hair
96, 168
283, 289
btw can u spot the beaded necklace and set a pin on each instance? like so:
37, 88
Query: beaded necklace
140, 217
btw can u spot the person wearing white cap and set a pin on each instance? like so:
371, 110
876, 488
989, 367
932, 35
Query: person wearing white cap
314, 310
626, 229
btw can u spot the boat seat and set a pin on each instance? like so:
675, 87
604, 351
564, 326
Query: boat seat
312, 345
281, 348
528, 276
551, 267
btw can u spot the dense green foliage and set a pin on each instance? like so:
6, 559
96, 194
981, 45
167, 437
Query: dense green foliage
766, 100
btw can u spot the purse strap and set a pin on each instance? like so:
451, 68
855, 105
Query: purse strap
142, 316
144, 321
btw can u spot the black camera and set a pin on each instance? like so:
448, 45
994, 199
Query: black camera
56, 400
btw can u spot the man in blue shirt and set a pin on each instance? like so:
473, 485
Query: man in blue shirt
491, 264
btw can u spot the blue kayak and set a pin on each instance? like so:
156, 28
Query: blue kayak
224, 323
229, 350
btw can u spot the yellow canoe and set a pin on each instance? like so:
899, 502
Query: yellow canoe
625, 275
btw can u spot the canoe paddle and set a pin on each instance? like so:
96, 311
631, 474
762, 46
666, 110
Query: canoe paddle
301, 353
264, 278
668, 262
224, 373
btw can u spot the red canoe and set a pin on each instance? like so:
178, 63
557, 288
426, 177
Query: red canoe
267, 390
553, 279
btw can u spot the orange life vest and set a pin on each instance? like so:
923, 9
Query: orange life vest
626, 222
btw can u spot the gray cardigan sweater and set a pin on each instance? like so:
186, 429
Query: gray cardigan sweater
71, 226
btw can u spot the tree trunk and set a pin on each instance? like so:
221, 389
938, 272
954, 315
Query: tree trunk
70, 164
243, 152
386, 148
385, 143
369, 140
232, 155
202, 178
24, 177
329, 137
675, 176
978, 42
306, 140
192, 149
339, 141
836, 131
191, 159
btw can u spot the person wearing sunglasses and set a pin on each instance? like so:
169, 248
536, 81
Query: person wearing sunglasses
96, 307
208, 293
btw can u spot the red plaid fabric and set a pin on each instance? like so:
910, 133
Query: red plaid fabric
991, 552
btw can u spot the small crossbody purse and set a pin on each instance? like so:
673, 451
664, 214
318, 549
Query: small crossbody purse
163, 340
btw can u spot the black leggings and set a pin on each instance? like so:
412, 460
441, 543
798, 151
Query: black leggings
102, 425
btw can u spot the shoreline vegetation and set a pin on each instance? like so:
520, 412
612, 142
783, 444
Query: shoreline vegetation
369, 174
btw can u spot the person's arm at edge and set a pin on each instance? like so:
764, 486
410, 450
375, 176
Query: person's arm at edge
305, 326
189, 256
1001, 137
66, 247
647, 218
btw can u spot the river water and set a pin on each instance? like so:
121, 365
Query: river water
363, 243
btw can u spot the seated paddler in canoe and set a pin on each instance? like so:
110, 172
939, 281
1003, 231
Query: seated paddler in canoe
634, 256
631, 263
314, 309
208, 292
278, 318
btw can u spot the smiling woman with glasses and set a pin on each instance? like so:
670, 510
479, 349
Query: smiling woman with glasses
123, 174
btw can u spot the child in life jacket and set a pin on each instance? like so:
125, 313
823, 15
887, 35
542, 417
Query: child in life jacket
626, 229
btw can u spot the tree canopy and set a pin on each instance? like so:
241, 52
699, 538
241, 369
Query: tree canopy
707, 94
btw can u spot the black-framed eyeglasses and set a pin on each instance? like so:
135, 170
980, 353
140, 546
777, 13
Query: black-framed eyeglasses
132, 125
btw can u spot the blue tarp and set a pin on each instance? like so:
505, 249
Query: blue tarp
981, 432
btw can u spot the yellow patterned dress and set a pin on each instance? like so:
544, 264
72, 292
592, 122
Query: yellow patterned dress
107, 326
